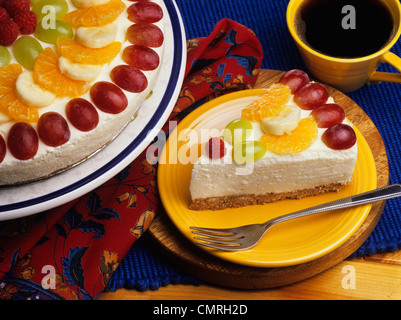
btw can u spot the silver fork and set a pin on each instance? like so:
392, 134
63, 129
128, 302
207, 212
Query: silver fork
245, 237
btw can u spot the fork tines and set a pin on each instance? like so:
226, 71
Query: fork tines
221, 237
213, 231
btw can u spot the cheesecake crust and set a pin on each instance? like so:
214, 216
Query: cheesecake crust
219, 203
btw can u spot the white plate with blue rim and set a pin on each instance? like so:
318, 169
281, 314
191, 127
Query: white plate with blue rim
32, 198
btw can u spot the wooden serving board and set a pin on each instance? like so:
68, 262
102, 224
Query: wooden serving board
210, 269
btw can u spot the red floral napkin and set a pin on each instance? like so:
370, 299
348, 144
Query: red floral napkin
71, 252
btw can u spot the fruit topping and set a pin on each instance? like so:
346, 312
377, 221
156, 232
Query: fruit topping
108, 97
82, 114
129, 78
79, 71
269, 104
286, 121
13, 6
76, 52
31, 93
10, 105
328, 115
88, 3
215, 148
53, 129
50, 35
95, 16
148, 12
97, 37
3, 149
311, 96
299, 139
4, 16
5, 56
248, 151
26, 49
48, 75
339, 137
295, 79
15, 18
140, 57
9, 32
23, 141
237, 131
42, 9
145, 34
26, 21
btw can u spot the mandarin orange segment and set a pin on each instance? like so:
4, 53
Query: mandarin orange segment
22, 112
47, 74
298, 140
9, 102
269, 104
78, 53
95, 16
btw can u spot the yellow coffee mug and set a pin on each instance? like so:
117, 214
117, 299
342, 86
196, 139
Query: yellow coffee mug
349, 74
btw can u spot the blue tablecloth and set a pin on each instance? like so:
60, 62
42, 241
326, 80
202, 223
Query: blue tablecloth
142, 268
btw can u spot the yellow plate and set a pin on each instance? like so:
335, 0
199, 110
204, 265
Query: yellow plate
289, 243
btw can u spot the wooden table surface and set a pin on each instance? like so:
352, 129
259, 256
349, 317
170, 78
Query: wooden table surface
374, 277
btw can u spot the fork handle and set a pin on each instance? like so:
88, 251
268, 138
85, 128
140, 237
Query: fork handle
384, 193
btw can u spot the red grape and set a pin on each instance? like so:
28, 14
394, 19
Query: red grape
129, 78
23, 141
3, 149
311, 96
82, 114
294, 79
140, 57
108, 97
215, 148
142, 11
328, 115
145, 34
339, 137
53, 129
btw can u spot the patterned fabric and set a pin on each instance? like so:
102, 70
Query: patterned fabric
71, 252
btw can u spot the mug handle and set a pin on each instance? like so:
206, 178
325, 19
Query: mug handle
393, 60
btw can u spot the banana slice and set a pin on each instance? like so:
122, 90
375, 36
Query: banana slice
31, 93
79, 71
88, 3
97, 37
4, 118
285, 122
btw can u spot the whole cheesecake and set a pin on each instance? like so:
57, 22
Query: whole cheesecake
292, 142
73, 83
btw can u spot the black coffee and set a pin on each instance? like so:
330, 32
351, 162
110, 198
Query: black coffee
345, 28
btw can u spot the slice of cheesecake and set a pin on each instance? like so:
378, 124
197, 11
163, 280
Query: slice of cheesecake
292, 142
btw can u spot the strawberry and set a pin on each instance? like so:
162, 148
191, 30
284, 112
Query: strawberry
12, 6
9, 32
4, 14
26, 21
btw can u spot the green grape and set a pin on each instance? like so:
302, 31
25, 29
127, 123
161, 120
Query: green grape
25, 50
50, 35
248, 151
237, 131
5, 57
47, 8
